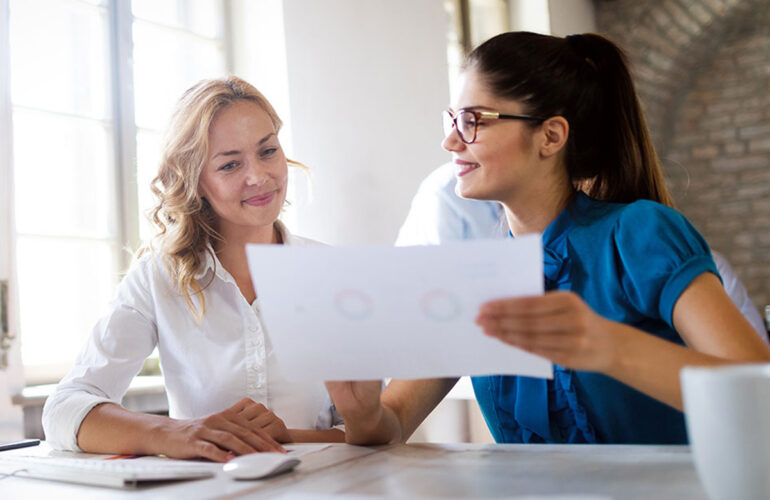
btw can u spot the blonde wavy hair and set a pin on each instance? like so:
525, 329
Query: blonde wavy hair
185, 222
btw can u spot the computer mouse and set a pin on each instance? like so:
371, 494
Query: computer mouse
259, 465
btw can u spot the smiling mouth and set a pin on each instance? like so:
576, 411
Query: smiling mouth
260, 200
465, 168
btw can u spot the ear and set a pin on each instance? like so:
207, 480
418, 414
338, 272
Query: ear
555, 132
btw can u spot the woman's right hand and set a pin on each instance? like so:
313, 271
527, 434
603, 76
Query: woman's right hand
218, 437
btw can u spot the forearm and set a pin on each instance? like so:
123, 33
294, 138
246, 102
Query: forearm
310, 436
379, 427
109, 428
404, 406
714, 330
651, 365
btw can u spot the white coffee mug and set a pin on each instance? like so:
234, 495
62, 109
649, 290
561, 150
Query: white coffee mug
727, 410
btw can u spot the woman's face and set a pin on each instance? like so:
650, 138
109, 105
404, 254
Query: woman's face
502, 159
245, 176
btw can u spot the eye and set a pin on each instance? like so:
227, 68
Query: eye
228, 166
467, 119
266, 153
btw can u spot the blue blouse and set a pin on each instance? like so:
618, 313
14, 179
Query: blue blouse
630, 263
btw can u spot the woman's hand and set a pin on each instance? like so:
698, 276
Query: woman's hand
259, 417
367, 421
558, 326
237, 430
356, 399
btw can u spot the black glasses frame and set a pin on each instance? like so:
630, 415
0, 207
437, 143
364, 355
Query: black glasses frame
486, 115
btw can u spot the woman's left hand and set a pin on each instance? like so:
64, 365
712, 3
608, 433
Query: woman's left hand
558, 326
260, 417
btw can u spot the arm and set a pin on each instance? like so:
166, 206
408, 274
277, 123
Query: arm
375, 417
257, 417
83, 413
738, 294
712, 327
308, 436
562, 328
109, 428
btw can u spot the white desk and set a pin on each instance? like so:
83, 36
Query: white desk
433, 471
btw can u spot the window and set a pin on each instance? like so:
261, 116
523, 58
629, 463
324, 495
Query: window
471, 23
92, 85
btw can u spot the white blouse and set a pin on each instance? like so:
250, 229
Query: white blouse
207, 368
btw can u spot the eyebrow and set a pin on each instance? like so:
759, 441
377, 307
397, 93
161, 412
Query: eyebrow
476, 108
235, 151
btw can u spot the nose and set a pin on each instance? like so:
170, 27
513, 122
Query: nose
452, 142
255, 174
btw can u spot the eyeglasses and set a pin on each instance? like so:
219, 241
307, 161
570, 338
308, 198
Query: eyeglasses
466, 121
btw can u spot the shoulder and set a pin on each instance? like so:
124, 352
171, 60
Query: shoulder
440, 179
650, 211
148, 271
645, 221
147, 262
304, 242
294, 240
639, 219
644, 233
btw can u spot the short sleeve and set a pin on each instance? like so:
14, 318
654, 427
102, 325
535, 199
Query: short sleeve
661, 253
431, 218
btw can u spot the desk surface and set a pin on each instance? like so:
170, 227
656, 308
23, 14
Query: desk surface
433, 471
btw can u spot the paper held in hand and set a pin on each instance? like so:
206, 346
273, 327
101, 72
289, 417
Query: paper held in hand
372, 312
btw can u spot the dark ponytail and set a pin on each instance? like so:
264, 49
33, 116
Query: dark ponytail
585, 79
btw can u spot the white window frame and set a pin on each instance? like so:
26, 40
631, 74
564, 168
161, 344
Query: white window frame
126, 195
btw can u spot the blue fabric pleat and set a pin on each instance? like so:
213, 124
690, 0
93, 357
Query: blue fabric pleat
544, 411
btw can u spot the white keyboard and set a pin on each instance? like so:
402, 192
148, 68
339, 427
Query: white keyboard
121, 473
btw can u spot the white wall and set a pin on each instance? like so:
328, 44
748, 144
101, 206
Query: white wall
376, 70
571, 16
554, 17
367, 81
529, 15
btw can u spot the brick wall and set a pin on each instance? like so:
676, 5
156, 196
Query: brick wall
702, 68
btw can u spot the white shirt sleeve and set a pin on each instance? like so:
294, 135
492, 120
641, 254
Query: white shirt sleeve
430, 219
437, 214
738, 294
119, 344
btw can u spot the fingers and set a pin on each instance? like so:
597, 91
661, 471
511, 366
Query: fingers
542, 304
253, 411
264, 419
257, 439
227, 441
554, 312
241, 405
210, 451
556, 325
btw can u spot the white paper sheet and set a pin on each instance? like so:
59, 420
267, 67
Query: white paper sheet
358, 313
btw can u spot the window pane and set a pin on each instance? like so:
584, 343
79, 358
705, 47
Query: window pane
64, 288
165, 65
203, 17
148, 157
59, 57
183, 59
63, 173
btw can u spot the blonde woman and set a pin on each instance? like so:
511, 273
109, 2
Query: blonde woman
221, 184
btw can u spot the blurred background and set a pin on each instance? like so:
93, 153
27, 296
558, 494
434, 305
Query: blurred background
86, 88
